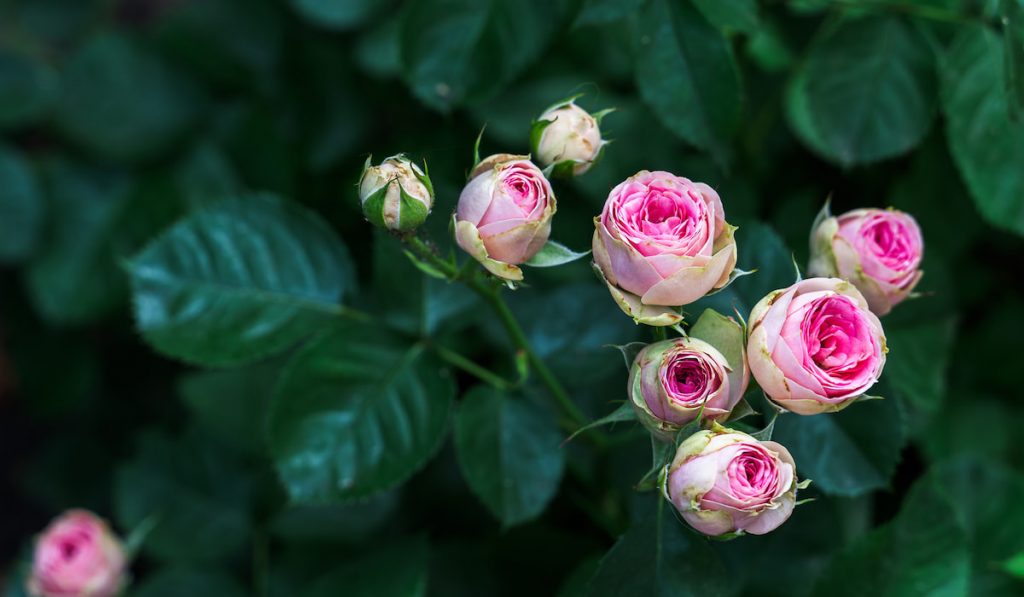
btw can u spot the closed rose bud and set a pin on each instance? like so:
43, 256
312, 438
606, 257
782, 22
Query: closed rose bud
723, 481
662, 241
671, 381
397, 194
567, 134
878, 250
77, 555
504, 214
815, 347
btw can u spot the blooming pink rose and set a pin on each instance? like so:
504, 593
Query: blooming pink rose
77, 556
662, 241
723, 481
504, 214
878, 250
672, 380
815, 347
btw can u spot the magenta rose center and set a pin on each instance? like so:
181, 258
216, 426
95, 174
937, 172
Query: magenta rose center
891, 242
524, 190
752, 474
659, 215
839, 342
689, 379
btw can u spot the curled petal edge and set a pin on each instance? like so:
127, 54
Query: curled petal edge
468, 237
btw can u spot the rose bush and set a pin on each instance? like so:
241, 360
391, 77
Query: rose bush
77, 556
878, 250
815, 347
662, 241
504, 214
722, 481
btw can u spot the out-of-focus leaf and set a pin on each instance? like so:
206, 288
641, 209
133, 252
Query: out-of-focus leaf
198, 491
175, 581
923, 551
463, 51
737, 15
603, 12
74, 276
658, 556
336, 14
1013, 55
986, 145
354, 522
28, 88
686, 73
357, 412
847, 453
376, 573
241, 279
377, 50
122, 103
510, 453
916, 365
21, 206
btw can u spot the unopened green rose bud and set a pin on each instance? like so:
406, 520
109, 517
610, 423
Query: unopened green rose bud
397, 194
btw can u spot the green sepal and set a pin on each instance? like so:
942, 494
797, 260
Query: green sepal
599, 115
412, 212
553, 254
536, 131
373, 207
476, 148
621, 414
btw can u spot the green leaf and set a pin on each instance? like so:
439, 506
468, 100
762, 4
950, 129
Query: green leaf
463, 51
724, 333
21, 206
738, 15
28, 88
198, 492
917, 362
870, 90
1015, 565
121, 103
399, 569
339, 15
510, 453
239, 280
353, 522
356, 412
623, 413
686, 73
174, 581
604, 12
74, 276
986, 146
552, 254
922, 551
847, 453
1013, 55
659, 557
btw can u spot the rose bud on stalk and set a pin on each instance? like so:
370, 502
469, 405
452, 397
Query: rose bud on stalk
815, 347
723, 481
77, 555
397, 194
671, 381
567, 137
504, 214
878, 250
662, 241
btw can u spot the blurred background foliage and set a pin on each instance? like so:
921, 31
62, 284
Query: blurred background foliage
120, 117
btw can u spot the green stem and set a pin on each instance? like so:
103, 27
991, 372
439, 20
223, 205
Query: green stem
659, 333
485, 375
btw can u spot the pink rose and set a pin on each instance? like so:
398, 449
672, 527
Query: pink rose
878, 250
672, 380
79, 556
815, 347
723, 481
504, 214
662, 241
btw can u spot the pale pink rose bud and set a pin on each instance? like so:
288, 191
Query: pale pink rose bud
504, 214
815, 347
672, 382
567, 137
723, 482
397, 194
878, 250
661, 242
77, 555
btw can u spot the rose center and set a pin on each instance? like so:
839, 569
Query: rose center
68, 550
522, 192
890, 242
838, 339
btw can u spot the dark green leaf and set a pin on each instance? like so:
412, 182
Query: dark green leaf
760, 249
510, 453
1013, 55
27, 88
603, 12
335, 14
916, 365
624, 413
121, 103
21, 206
722, 332
686, 73
175, 581
923, 551
399, 569
353, 522
356, 412
659, 557
847, 453
738, 15
986, 145
239, 280
869, 88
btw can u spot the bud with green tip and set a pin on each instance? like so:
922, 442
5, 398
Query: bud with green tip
397, 194
567, 138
